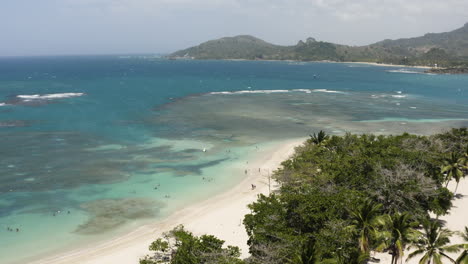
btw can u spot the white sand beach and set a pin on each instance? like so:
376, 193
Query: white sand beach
221, 216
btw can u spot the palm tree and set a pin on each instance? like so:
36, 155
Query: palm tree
453, 167
464, 161
305, 254
400, 232
433, 244
463, 258
365, 220
319, 138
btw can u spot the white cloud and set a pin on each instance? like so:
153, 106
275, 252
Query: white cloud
341, 9
147, 25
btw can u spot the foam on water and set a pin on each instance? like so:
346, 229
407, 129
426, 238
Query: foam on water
422, 120
302, 90
14, 123
49, 96
399, 95
252, 92
404, 71
327, 91
276, 91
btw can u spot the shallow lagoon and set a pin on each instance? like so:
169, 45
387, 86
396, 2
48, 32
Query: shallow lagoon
119, 142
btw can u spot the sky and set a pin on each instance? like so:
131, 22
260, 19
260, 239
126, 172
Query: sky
72, 27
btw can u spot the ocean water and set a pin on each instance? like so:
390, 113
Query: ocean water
95, 146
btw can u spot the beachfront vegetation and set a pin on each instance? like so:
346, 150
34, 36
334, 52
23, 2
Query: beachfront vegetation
463, 258
433, 244
343, 198
179, 246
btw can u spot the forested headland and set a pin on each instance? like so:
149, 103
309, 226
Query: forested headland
447, 49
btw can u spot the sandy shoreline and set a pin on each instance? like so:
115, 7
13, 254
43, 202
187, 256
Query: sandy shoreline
345, 62
390, 65
220, 216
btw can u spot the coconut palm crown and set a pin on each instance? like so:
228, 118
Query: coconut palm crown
434, 244
365, 220
453, 168
400, 232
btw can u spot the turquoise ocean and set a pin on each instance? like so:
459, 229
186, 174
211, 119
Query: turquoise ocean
95, 146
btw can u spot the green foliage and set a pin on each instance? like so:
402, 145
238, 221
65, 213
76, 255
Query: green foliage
318, 138
433, 244
306, 253
159, 245
365, 221
463, 258
400, 231
455, 140
147, 260
441, 203
335, 241
342, 197
453, 167
185, 248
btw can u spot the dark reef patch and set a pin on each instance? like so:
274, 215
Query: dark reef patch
110, 213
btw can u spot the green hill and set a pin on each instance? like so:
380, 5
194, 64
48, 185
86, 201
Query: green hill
239, 47
454, 43
445, 49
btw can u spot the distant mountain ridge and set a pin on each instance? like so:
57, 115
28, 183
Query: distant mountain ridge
454, 42
448, 49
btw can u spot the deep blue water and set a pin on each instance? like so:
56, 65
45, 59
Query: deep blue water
94, 135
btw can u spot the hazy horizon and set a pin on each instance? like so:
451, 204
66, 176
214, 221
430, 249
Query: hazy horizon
100, 27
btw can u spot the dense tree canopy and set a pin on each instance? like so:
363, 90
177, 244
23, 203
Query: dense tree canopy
336, 191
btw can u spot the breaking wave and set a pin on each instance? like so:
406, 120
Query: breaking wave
403, 71
275, 91
399, 95
252, 92
327, 91
48, 96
